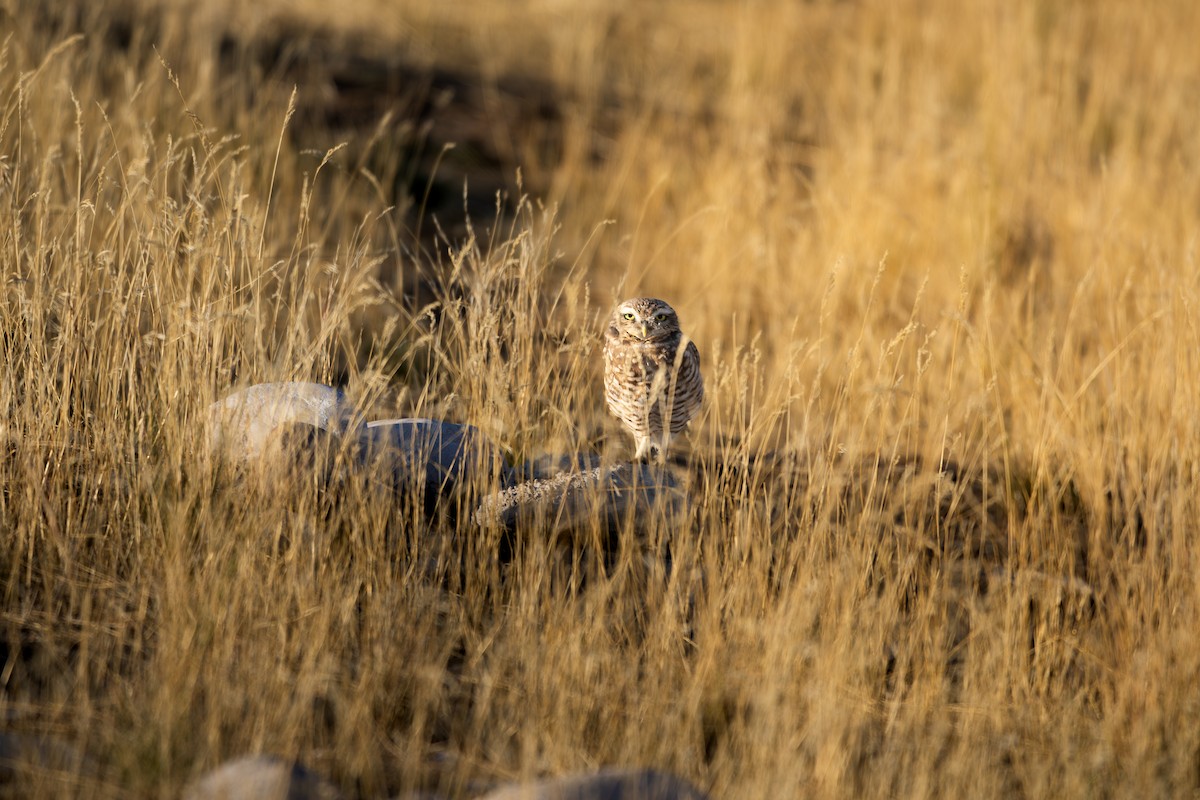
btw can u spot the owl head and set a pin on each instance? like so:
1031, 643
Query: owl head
645, 319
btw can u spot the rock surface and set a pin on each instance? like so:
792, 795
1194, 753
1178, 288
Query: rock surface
441, 460
606, 785
569, 500
311, 429
260, 778
550, 465
241, 425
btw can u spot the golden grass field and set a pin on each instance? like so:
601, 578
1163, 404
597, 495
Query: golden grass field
899, 232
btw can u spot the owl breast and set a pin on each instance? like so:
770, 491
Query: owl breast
643, 388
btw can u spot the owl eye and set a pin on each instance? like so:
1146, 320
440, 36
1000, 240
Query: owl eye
628, 315
660, 316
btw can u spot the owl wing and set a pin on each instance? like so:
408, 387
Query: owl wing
691, 366
689, 389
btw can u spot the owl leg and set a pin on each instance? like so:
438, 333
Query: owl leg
643, 448
651, 449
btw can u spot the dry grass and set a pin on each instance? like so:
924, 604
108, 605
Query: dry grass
898, 231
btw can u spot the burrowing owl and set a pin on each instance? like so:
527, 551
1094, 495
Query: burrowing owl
651, 383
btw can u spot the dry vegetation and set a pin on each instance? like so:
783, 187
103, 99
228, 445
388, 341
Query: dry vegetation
899, 232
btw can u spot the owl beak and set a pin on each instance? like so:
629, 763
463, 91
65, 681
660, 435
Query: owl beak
645, 330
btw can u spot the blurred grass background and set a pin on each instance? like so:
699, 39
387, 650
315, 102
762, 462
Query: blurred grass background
899, 232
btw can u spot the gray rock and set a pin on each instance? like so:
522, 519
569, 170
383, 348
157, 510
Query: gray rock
442, 460
308, 429
568, 501
605, 785
549, 466
260, 778
242, 425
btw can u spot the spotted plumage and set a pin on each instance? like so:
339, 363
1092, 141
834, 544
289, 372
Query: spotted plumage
652, 378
